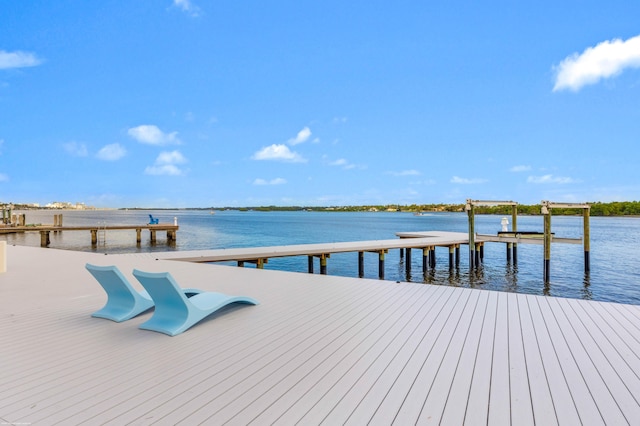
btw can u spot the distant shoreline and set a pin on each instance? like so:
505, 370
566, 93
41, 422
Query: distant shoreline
613, 209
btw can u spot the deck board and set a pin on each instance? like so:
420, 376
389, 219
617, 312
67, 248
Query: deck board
317, 350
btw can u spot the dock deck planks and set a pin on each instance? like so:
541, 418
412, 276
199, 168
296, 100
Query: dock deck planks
317, 350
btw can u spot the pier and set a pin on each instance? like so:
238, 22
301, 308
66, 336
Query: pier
426, 242
45, 230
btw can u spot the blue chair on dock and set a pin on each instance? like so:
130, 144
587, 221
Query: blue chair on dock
176, 313
153, 221
123, 301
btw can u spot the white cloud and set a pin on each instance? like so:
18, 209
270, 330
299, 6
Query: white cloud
521, 168
111, 152
276, 181
166, 169
76, 149
550, 179
279, 153
18, 59
342, 162
167, 164
152, 135
605, 60
173, 157
302, 136
4, 178
405, 173
187, 6
467, 181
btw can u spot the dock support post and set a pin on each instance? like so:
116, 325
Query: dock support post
514, 228
451, 255
481, 252
547, 243
240, 264
407, 264
138, 235
44, 239
432, 257
477, 255
425, 259
457, 255
260, 263
323, 264
509, 248
586, 238
472, 246
94, 237
361, 264
401, 253
381, 264
310, 264
152, 232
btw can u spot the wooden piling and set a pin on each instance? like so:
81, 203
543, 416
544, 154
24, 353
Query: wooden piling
323, 263
381, 254
451, 256
44, 239
407, 263
586, 239
472, 247
547, 244
425, 258
310, 264
514, 228
361, 264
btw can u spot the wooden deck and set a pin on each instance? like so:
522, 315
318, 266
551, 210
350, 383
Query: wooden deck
317, 350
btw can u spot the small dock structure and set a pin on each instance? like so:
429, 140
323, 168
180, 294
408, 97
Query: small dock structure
45, 231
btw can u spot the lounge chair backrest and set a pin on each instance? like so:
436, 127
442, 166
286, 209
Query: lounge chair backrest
117, 287
169, 298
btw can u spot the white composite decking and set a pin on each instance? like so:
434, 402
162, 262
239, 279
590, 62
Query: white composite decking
425, 239
317, 350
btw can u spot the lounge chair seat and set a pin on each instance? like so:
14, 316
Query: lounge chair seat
123, 301
176, 313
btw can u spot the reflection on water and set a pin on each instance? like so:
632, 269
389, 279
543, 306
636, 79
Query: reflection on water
586, 291
615, 275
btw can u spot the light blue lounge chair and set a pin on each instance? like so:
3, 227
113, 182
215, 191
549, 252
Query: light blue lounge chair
176, 313
153, 221
123, 301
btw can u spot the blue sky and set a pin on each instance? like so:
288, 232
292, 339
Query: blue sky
193, 103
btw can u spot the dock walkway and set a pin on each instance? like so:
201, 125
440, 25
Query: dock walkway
45, 231
317, 350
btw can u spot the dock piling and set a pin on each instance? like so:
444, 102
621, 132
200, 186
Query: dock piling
547, 242
323, 263
451, 257
586, 240
381, 254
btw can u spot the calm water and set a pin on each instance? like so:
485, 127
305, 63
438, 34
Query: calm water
614, 267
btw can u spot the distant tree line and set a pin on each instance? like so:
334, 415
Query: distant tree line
616, 208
